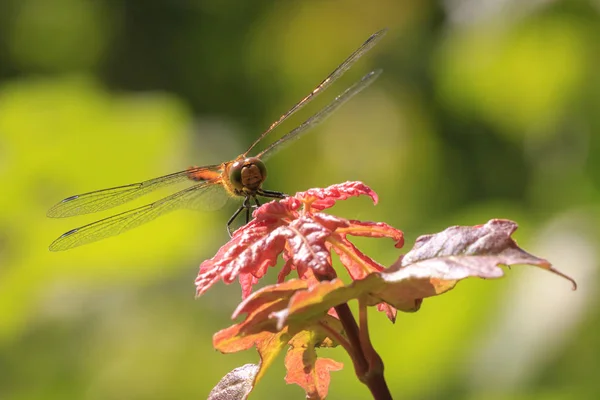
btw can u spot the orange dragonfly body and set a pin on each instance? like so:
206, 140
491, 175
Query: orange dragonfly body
242, 177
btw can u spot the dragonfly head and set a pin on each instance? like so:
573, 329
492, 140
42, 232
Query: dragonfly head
247, 175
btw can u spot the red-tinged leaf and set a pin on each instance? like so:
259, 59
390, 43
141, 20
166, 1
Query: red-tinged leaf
320, 199
287, 268
247, 282
236, 385
246, 334
438, 262
359, 266
314, 379
405, 288
257, 323
311, 304
258, 307
273, 214
331, 330
255, 248
305, 368
268, 345
303, 236
230, 340
492, 239
479, 252
262, 308
356, 263
389, 310
306, 237
269, 348
326, 332
373, 230
252, 249
303, 271
280, 292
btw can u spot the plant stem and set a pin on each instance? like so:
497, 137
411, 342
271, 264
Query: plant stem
378, 387
375, 362
361, 366
368, 372
368, 366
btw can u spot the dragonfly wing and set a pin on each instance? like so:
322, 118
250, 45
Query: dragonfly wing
332, 77
319, 116
108, 198
213, 198
117, 224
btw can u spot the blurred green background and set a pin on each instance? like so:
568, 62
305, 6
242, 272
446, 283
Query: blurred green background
485, 109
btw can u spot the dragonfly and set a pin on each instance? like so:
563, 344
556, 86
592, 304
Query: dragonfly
241, 177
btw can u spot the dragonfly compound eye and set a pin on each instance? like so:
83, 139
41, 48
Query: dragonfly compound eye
248, 175
235, 175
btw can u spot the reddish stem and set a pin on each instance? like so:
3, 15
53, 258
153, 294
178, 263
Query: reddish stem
361, 366
375, 374
368, 372
367, 363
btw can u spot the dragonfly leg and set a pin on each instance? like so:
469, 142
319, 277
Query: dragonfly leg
272, 194
234, 216
246, 204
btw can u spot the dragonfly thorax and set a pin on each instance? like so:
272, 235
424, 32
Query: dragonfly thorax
247, 175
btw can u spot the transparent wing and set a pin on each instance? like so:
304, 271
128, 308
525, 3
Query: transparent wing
108, 198
319, 116
339, 71
210, 194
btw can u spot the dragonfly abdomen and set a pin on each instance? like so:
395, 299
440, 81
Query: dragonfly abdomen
201, 174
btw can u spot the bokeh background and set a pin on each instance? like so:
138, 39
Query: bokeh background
485, 109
